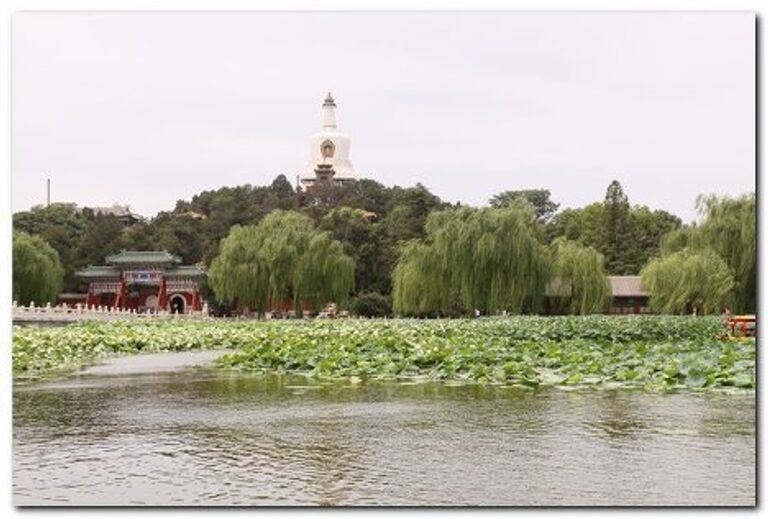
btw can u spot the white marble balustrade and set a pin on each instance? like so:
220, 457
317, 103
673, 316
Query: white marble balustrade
81, 312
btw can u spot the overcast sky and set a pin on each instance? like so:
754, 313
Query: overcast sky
149, 108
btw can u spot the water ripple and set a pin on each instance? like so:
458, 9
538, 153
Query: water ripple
204, 437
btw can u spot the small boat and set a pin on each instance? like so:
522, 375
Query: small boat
742, 325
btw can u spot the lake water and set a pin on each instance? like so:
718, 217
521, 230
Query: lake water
161, 430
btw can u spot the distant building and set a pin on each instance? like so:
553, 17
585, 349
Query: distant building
122, 212
328, 152
194, 215
141, 280
627, 296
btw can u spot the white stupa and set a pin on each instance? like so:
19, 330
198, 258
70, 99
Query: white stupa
328, 151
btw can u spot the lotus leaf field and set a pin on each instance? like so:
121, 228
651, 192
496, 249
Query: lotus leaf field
651, 352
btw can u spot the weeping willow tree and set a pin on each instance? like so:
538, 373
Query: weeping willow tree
578, 278
37, 271
487, 259
418, 288
728, 228
240, 272
323, 272
282, 258
677, 240
688, 281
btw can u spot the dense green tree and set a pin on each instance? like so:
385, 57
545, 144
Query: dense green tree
282, 257
627, 236
323, 198
371, 304
182, 235
62, 227
139, 237
227, 207
689, 281
101, 238
368, 195
407, 213
579, 276
37, 271
649, 228
486, 259
210, 215
282, 188
633, 248
583, 225
364, 194
363, 241
618, 240
544, 207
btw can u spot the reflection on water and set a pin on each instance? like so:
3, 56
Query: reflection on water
199, 436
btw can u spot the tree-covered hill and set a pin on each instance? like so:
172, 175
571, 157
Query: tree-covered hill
375, 224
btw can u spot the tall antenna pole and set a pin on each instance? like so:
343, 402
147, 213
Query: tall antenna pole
48, 192
296, 193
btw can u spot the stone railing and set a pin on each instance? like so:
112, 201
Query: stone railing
80, 312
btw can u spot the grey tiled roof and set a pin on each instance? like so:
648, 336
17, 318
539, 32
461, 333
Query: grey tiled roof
98, 272
116, 210
621, 286
626, 286
109, 271
142, 257
185, 270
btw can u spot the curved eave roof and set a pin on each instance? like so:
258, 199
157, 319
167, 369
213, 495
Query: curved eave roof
621, 286
92, 272
185, 271
626, 286
134, 257
109, 272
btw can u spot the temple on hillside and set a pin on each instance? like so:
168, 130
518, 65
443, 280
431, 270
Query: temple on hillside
144, 280
328, 152
123, 213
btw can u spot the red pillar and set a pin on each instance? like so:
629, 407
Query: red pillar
162, 295
89, 300
121, 294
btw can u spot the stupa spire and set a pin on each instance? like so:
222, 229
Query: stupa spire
328, 117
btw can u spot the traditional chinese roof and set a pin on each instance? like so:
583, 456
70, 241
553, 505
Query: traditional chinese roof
626, 286
133, 257
70, 296
120, 211
97, 272
621, 286
185, 271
